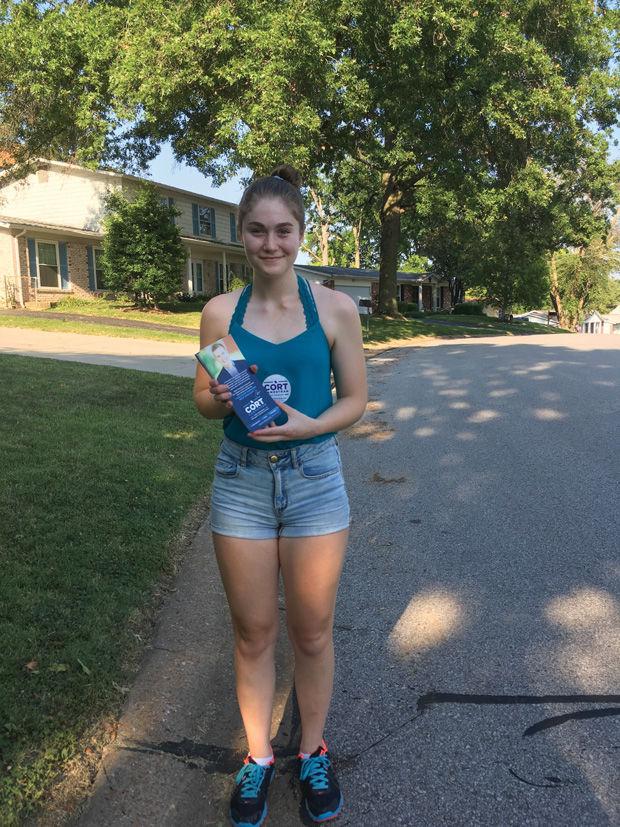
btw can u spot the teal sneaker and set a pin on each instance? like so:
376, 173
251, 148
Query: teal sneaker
248, 804
320, 790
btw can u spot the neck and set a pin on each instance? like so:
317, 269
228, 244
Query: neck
275, 289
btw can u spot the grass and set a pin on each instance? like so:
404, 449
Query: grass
99, 467
187, 315
394, 330
94, 329
184, 314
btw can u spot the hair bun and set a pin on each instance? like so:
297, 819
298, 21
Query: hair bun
288, 173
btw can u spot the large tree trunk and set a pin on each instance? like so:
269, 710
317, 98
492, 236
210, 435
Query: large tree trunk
390, 237
457, 292
556, 298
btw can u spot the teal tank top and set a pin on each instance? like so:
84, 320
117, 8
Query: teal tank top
297, 371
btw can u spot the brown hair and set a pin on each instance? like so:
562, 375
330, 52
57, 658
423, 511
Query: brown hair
284, 183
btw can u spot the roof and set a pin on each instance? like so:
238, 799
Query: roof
363, 274
7, 222
96, 235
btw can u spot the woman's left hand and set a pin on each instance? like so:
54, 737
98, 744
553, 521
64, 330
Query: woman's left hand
298, 426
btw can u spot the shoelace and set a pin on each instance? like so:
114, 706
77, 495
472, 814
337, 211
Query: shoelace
249, 778
315, 769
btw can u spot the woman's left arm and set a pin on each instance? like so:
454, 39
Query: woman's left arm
349, 368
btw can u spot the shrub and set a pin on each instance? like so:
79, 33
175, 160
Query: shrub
408, 308
469, 309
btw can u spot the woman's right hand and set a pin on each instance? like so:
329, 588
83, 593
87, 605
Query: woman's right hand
221, 393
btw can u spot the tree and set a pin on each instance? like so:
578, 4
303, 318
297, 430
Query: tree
142, 249
411, 92
580, 281
55, 97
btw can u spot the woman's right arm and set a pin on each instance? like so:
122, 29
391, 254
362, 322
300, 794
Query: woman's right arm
211, 399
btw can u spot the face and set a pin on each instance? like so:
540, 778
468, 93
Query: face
220, 354
271, 237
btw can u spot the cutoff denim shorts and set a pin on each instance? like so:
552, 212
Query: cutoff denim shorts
259, 494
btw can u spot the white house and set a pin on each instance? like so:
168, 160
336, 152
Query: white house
607, 323
51, 234
428, 291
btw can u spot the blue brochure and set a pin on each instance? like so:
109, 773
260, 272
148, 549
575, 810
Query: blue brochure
224, 362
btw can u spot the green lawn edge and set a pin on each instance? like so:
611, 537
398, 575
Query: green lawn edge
99, 469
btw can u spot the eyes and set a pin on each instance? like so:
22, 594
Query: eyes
282, 231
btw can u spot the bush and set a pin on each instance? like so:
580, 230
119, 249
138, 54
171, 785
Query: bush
469, 309
408, 308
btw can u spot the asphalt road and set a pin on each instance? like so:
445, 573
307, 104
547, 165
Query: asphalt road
478, 628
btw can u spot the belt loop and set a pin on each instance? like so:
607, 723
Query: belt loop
294, 457
243, 459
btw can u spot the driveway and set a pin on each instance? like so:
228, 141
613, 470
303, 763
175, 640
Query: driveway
478, 624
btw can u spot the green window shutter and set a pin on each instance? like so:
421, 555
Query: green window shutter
64, 269
195, 219
212, 222
233, 227
171, 204
92, 285
32, 258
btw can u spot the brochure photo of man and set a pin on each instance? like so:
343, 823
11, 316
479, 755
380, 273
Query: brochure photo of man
224, 359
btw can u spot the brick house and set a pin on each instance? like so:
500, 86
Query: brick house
51, 235
429, 292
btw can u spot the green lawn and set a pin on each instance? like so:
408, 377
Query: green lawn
381, 330
393, 330
98, 469
184, 314
94, 329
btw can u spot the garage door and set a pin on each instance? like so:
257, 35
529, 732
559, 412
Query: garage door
356, 292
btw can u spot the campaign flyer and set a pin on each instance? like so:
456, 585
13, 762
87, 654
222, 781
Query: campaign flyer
224, 362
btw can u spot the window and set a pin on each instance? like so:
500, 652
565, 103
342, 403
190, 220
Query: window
99, 280
219, 275
233, 227
206, 220
47, 259
168, 202
197, 286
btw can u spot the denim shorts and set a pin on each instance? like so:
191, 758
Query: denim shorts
259, 494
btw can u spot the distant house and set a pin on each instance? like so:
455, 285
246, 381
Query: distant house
538, 317
51, 234
427, 291
597, 323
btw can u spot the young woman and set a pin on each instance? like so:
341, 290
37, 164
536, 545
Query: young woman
279, 503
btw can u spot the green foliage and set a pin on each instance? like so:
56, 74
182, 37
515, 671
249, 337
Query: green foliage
469, 309
409, 309
142, 250
236, 283
584, 280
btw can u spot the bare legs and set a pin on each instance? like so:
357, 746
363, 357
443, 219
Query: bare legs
311, 569
249, 570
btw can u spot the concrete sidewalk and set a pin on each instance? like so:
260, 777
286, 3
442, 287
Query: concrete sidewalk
140, 354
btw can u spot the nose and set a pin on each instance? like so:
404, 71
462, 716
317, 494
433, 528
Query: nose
270, 242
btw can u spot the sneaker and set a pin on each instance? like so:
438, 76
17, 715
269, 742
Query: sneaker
248, 804
321, 794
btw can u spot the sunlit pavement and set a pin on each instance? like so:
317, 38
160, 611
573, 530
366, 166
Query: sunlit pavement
478, 625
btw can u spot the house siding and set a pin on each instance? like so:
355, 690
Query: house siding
60, 197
